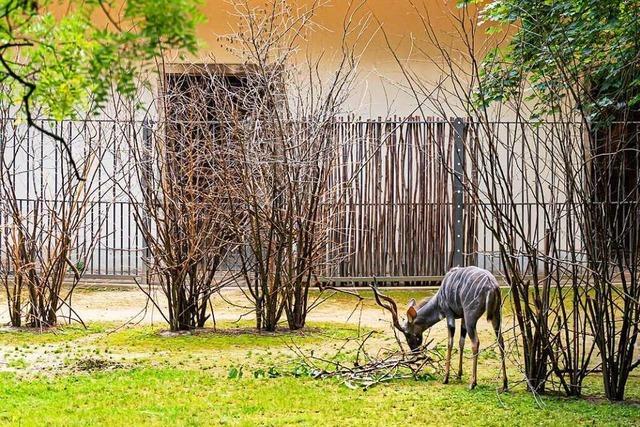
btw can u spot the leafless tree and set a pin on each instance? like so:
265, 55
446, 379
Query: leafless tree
554, 197
182, 197
281, 124
47, 240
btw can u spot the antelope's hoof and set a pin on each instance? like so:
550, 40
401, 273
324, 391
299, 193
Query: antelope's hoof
472, 385
446, 380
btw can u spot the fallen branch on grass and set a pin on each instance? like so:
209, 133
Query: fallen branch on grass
384, 367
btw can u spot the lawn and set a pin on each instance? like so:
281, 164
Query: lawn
172, 396
112, 375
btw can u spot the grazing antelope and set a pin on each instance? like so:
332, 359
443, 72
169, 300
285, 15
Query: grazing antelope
465, 293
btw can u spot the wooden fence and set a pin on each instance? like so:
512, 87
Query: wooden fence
401, 216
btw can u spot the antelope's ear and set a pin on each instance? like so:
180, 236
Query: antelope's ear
411, 311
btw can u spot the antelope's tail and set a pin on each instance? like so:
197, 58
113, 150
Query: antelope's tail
494, 300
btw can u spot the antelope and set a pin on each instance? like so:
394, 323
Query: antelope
465, 293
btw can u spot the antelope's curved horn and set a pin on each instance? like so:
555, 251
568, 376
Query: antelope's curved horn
390, 306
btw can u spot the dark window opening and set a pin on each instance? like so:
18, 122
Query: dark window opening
201, 105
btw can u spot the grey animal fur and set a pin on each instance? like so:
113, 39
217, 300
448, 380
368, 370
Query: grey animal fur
466, 293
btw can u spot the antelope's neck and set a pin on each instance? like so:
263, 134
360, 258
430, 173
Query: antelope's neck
429, 314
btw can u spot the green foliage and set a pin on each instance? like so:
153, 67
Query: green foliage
270, 372
235, 373
70, 63
301, 370
584, 53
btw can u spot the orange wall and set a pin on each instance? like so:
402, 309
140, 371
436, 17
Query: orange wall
398, 18
381, 87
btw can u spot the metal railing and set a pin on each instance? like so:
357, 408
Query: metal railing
404, 216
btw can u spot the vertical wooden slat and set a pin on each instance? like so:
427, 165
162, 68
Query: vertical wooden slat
393, 190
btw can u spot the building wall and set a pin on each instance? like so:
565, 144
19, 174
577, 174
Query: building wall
396, 32
394, 26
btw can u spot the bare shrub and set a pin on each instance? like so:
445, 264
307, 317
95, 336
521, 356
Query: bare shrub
281, 128
47, 240
181, 196
555, 196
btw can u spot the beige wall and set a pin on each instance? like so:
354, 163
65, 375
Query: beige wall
381, 88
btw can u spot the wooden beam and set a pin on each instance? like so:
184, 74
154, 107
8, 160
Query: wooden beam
380, 279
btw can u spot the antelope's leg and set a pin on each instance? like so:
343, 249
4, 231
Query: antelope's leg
498, 330
451, 329
475, 347
463, 335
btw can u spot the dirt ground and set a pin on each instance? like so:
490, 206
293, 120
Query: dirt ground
122, 307
129, 304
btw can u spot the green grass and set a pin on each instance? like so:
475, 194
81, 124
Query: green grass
61, 334
402, 296
228, 336
187, 397
184, 380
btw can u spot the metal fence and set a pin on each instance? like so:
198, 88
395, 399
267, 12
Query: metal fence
40, 171
403, 212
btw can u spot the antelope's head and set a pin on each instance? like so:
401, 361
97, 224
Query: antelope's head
410, 329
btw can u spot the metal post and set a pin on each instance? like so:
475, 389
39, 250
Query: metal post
458, 191
147, 126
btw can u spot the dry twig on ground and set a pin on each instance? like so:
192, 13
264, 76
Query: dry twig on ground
363, 370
